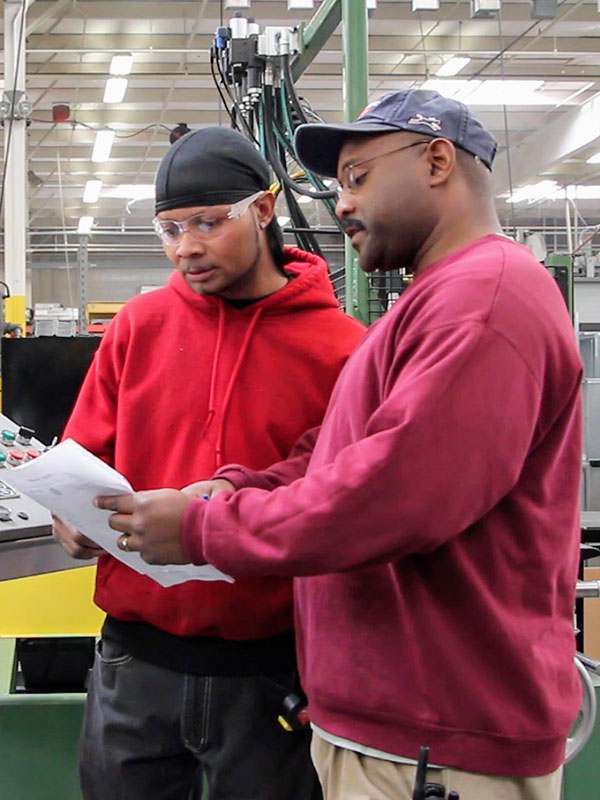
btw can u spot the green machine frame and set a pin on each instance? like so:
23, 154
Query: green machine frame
355, 45
38, 738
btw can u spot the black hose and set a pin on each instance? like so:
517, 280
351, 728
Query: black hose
222, 96
273, 157
306, 239
239, 117
291, 89
316, 181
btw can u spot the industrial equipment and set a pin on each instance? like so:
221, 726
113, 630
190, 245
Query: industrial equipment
254, 72
47, 630
26, 543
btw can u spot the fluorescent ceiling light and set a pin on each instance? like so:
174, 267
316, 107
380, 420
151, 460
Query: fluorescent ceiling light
371, 3
510, 93
85, 224
92, 191
121, 64
534, 192
425, 5
102, 145
283, 221
553, 192
492, 92
237, 3
131, 191
595, 159
115, 90
452, 67
590, 192
300, 4
458, 89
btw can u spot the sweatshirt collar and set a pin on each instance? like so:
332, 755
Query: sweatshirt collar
311, 286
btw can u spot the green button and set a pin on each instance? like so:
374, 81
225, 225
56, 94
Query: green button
8, 436
2, 457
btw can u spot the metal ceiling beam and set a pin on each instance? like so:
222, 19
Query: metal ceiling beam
563, 138
565, 12
397, 44
53, 11
316, 33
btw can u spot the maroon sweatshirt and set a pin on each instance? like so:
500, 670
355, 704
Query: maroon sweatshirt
183, 382
434, 522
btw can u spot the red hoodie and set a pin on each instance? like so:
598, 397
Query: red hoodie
437, 525
183, 382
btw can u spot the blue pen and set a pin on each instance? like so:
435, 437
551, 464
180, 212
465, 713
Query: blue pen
206, 497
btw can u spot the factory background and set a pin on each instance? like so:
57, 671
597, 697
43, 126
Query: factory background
94, 93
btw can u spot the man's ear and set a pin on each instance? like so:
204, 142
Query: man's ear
265, 209
442, 160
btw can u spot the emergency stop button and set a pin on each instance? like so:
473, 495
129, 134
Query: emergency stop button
15, 457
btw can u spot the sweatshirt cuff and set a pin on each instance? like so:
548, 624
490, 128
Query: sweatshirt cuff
191, 531
241, 477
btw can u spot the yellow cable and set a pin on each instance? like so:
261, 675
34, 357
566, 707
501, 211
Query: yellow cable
275, 187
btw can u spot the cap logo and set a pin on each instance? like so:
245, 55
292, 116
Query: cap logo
370, 107
430, 122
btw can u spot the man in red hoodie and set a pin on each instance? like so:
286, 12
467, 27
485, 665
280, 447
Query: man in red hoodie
433, 520
231, 361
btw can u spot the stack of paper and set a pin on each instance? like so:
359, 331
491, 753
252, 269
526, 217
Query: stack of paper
66, 479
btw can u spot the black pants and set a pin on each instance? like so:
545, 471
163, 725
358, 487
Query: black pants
154, 734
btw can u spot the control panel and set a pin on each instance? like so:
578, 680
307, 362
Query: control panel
20, 516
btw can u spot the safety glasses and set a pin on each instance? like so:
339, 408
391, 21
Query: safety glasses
201, 226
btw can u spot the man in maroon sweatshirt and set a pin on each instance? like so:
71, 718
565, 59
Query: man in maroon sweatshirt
432, 521
232, 361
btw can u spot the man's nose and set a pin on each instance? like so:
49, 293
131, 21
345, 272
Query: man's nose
345, 205
190, 245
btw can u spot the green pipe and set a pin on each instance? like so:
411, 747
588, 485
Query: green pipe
355, 45
316, 32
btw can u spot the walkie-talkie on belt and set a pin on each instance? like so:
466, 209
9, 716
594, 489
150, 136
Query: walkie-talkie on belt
422, 789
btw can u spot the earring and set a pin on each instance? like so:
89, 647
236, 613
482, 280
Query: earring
263, 224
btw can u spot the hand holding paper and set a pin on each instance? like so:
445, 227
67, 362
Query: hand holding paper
150, 522
66, 480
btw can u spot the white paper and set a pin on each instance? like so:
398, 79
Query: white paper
66, 479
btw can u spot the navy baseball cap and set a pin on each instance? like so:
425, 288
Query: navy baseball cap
318, 145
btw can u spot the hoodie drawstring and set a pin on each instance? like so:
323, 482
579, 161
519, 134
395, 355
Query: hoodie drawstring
213, 371
231, 384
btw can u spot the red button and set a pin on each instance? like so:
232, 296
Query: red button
16, 454
32, 453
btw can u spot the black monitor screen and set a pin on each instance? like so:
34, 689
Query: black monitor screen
41, 376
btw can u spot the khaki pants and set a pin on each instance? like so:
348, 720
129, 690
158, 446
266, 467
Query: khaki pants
346, 775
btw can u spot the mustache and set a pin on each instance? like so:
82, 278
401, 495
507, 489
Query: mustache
350, 223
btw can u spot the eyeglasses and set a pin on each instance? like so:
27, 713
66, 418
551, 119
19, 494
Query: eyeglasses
200, 226
353, 180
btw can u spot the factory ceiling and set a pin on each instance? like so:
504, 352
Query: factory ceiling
533, 81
